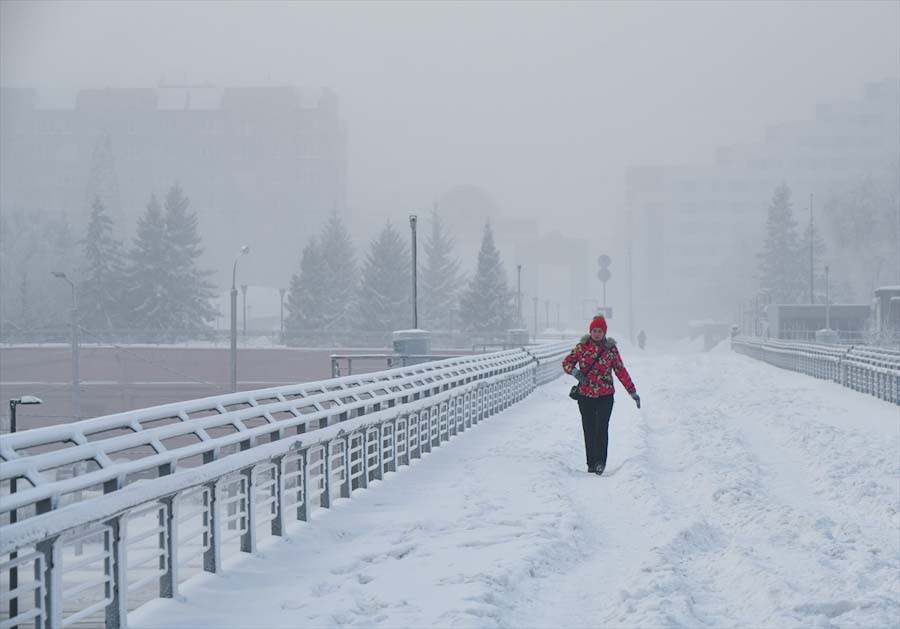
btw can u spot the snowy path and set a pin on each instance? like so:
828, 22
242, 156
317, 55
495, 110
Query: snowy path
741, 495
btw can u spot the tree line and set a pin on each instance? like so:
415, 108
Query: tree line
857, 233
151, 289
332, 291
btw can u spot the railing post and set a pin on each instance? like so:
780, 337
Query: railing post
325, 498
379, 473
116, 572
212, 557
277, 525
248, 539
364, 462
52, 578
345, 485
303, 509
392, 466
168, 543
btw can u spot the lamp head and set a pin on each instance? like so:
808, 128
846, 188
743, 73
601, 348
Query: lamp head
412, 219
245, 249
27, 399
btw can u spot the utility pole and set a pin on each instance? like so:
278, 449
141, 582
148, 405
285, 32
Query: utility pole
519, 295
281, 292
415, 310
244, 251
76, 379
630, 281
812, 239
244, 292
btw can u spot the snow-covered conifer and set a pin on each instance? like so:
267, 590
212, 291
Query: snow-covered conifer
440, 279
486, 306
384, 292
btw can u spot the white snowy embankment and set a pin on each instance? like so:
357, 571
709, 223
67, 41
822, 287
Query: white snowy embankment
740, 495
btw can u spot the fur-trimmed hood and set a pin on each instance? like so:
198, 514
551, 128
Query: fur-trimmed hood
607, 343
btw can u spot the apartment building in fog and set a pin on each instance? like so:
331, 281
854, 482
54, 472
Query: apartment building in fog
697, 229
261, 165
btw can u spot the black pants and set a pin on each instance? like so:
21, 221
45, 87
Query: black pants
595, 412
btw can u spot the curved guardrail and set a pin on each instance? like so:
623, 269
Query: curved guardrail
113, 511
867, 369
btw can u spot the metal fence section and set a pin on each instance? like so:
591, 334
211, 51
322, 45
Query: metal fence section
867, 369
163, 493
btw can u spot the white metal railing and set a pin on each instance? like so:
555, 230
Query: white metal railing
867, 369
163, 493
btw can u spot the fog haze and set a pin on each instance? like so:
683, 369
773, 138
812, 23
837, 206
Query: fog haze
542, 104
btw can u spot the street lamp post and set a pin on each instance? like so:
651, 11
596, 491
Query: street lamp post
282, 291
812, 298
415, 311
519, 295
76, 380
13, 514
244, 294
244, 251
827, 302
535, 299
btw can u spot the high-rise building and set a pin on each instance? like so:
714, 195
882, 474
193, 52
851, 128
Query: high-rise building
697, 229
261, 165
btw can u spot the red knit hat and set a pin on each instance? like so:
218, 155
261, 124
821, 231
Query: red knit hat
598, 322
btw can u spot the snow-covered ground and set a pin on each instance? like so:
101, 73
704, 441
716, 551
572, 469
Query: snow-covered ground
740, 495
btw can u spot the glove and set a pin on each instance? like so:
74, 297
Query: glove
582, 379
636, 398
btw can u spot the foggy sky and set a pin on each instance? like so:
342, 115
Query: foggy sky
542, 104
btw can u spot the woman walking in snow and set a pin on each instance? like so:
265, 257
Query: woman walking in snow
593, 361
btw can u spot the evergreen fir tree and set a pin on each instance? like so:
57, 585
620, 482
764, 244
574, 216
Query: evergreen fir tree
780, 264
338, 274
440, 279
190, 292
102, 284
384, 292
148, 275
103, 184
486, 306
306, 296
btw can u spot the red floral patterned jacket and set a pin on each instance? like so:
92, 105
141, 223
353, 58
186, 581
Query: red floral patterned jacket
599, 379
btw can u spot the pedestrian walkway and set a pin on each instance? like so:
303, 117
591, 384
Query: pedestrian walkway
739, 495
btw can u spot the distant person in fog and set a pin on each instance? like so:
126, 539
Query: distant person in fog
592, 361
641, 339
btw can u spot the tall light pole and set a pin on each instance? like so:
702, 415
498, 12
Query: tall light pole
282, 291
630, 280
519, 320
535, 299
812, 298
244, 251
76, 381
415, 298
827, 302
13, 514
244, 294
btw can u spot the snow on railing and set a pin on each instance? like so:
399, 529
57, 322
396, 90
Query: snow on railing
113, 511
867, 369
